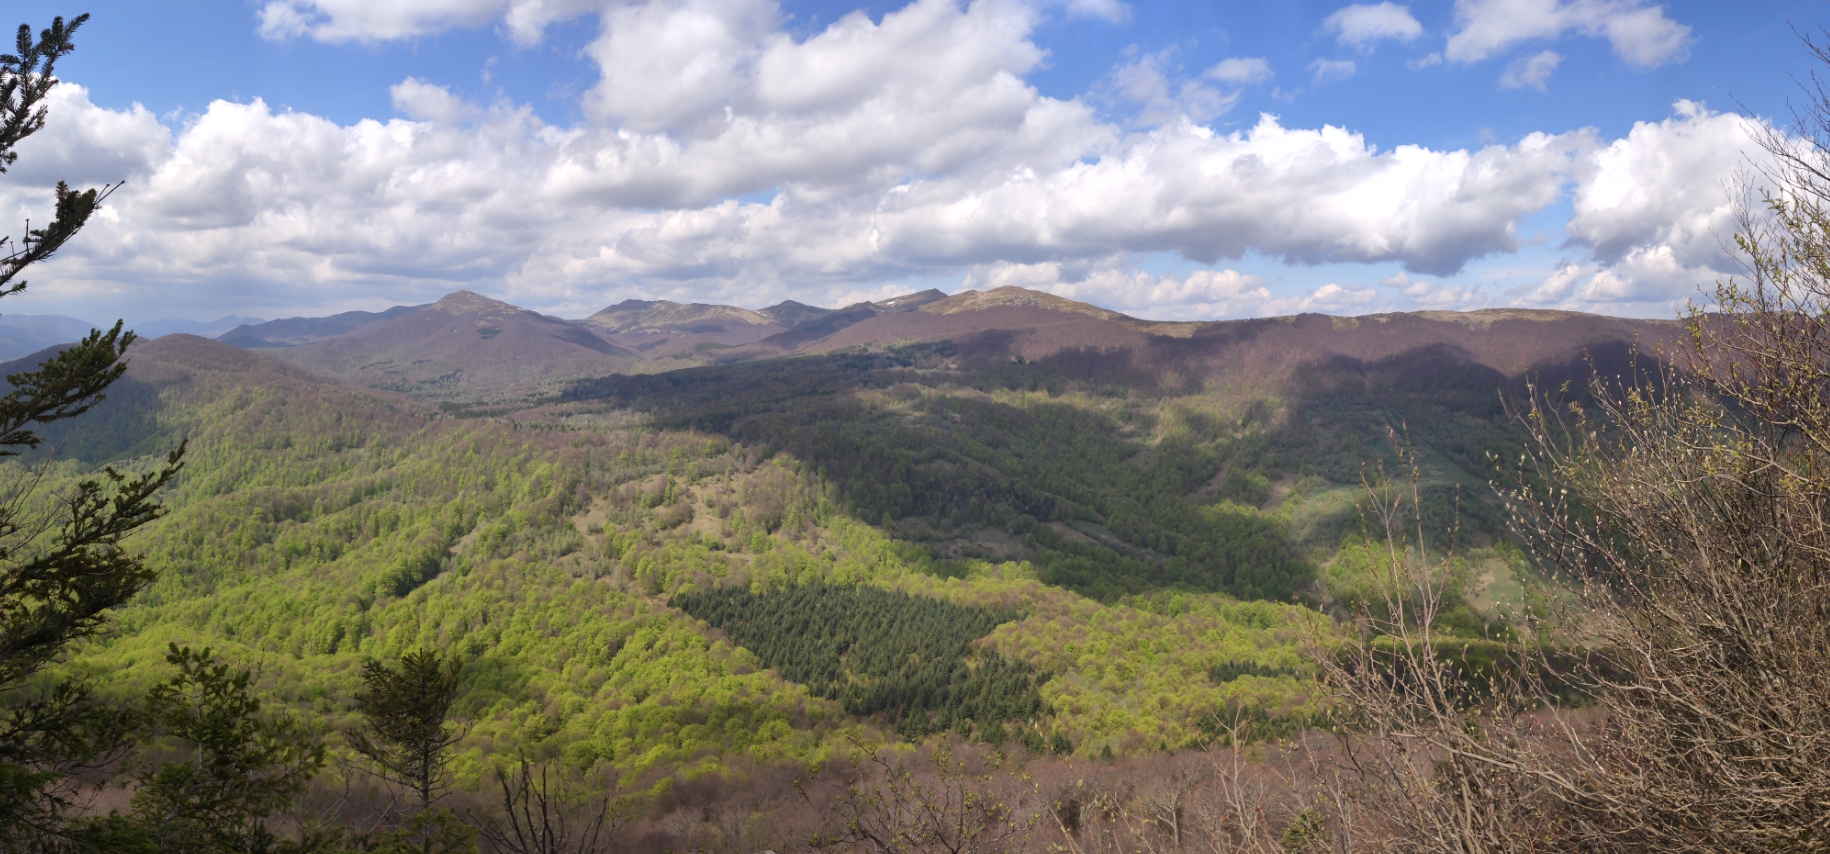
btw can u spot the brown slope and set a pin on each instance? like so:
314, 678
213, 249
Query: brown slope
637, 315
791, 314
1251, 356
1011, 295
468, 348
809, 333
1036, 323
660, 329
1508, 341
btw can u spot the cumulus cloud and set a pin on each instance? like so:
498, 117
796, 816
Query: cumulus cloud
1666, 183
1241, 70
1160, 100
676, 64
1558, 286
1333, 298
428, 102
1364, 24
1655, 211
1434, 295
1640, 34
88, 145
1113, 282
1530, 72
1331, 70
271, 199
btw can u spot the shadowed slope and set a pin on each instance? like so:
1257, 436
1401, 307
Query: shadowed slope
293, 331
1253, 357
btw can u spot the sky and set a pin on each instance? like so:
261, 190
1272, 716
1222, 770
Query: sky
1172, 160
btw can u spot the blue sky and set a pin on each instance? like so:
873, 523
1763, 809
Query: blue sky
308, 156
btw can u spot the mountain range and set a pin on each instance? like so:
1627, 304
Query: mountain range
469, 349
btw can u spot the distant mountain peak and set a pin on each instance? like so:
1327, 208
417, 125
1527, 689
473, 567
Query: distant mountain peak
910, 302
790, 313
1011, 295
638, 314
633, 304
470, 302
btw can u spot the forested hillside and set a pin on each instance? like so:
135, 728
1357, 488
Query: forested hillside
708, 572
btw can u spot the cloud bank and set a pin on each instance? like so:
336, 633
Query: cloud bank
726, 159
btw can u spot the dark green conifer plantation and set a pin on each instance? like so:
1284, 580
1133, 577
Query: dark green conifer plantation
883, 652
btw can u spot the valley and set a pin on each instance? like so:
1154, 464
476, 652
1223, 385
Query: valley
1094, 537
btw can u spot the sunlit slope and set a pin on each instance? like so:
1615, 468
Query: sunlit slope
320, 523
1138, 521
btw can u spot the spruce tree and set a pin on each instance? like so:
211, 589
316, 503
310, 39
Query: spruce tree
241, 765
62, 569
407, 736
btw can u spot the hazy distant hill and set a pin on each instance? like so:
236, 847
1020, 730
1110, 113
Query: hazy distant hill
294, 331
636, 315
24, 334
818, 328
519, 352
790, 313
205, 328
660, 329
465, 347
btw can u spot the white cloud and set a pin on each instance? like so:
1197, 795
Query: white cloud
261, 203
1160, 100
1334, 298
1665, 183
1331, 71
1112, 282
1655, 213
1530, 72
1111, 11
1241, 70
677, 64
1364, 24
1647, 274
1558, 286
428, 102
1434, 294
87, 145
1640, 34
371, 21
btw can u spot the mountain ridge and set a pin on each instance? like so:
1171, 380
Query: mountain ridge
468, 348
465, 347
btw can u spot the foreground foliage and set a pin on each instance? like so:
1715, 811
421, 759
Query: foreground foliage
1694, 508
62, 564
